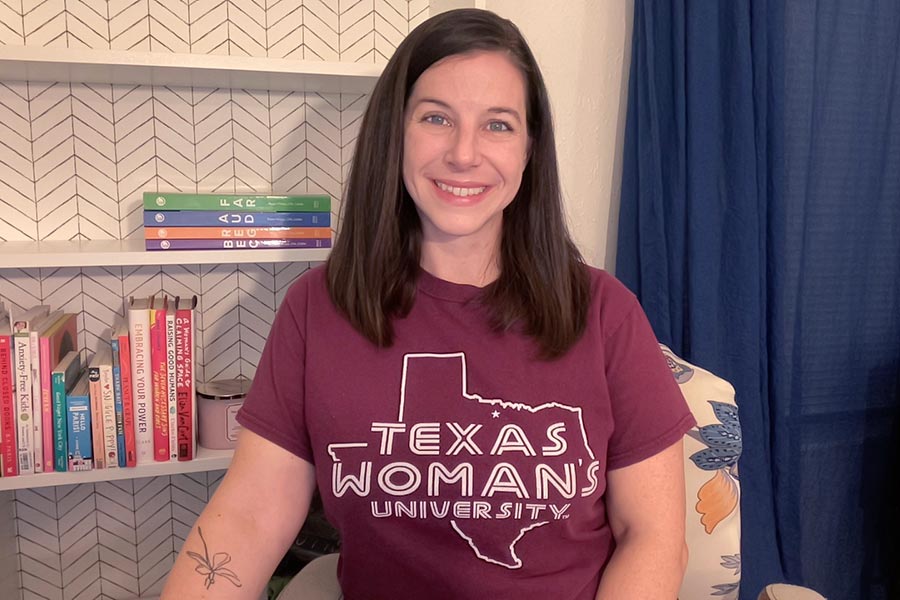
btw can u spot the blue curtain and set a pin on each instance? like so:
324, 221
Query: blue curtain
760, 228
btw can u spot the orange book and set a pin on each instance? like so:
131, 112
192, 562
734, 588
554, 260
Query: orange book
236, 233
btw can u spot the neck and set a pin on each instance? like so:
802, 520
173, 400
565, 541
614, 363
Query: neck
470, 266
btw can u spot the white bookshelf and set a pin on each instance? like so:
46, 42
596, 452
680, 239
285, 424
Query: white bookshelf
24, 63
131, 252
33, 562
206, 460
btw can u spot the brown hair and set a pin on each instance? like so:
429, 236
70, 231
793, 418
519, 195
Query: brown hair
372, 270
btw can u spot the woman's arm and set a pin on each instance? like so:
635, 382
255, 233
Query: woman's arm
646, 506
247, 526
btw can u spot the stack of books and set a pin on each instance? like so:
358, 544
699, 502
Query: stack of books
132, 402
175, 221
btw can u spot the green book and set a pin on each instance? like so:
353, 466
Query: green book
64, 377
237, 202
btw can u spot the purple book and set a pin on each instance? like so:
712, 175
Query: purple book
236, 244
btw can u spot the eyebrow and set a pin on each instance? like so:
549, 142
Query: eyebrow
496, 110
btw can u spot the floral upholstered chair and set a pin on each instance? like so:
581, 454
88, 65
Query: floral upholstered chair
713, 490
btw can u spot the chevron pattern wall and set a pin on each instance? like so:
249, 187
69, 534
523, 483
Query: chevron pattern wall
74, 159
332, 30
114, 539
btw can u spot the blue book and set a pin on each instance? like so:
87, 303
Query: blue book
117, 395
63, 378
78, 409
208, 218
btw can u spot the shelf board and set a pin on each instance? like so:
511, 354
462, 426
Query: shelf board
207, 460
27, 63
131, 252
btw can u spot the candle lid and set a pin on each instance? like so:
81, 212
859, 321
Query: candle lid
224, 389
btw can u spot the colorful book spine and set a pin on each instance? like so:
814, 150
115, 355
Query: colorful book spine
22, 385
7, 403
237, 202
108, 398
43, 420
96, 419
141, 380
117, 398
159, 377
236, 233
127, 395
79, 426
24, 404
64, 377
171, 391
200, 218
234, 244
55, 342
185, 380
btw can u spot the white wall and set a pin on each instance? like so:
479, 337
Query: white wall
584, 49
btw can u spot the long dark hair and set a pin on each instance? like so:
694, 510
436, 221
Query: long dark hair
543, 284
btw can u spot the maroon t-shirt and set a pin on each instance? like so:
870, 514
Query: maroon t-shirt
455, 464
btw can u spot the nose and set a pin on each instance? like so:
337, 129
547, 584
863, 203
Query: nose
463, 151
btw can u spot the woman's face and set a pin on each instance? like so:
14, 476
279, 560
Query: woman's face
465, 146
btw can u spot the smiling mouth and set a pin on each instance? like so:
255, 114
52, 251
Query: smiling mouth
460, 192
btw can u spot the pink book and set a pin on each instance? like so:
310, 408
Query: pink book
7, 404
185, 378
159, 377
127, 400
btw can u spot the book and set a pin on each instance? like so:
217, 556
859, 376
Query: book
96, 420
120, 333
141, 378
55, 343
236, 233
200, 218
64, 377
159, 378
237, 202
21, 331
185, 378
8, 461
117, 394
79, 426
171, 392
234, 244
106, 453
40, 401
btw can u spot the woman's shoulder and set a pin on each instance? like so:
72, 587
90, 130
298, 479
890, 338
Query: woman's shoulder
611, 300
309, 288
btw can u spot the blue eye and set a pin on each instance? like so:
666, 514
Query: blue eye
499, 126
435, 119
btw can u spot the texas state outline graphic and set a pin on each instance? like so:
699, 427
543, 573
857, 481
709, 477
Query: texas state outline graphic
430, 383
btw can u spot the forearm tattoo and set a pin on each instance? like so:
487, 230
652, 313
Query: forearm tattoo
215, 567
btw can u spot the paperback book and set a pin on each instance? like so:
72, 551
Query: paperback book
141, 378
235, 244
237, 202
79, 426
64, 376
236, 233
185, 378
8, 460
201, 218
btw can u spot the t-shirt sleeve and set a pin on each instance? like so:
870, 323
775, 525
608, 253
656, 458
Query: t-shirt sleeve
649, 411
274, 406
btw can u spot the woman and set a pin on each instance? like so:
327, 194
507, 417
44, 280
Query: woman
484, 415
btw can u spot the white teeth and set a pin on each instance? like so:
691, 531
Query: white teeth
461, 192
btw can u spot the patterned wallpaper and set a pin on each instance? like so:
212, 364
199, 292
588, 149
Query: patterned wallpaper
332, 30
74, 159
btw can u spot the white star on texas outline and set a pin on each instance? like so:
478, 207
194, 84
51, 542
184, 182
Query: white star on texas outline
496, 414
